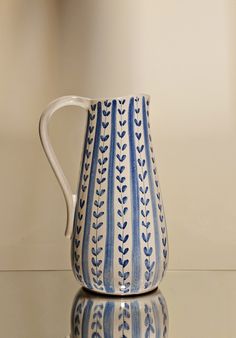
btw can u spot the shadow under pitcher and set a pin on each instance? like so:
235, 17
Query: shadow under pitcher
116, 221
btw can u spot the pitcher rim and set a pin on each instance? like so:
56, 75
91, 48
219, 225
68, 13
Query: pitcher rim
103, 99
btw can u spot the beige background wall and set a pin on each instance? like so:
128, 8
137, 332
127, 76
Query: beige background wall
181, 52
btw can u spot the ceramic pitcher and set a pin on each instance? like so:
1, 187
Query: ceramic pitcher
116, 221
113, 317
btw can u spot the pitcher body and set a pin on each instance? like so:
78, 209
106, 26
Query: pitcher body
119, 239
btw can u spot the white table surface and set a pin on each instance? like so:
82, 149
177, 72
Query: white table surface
201, 304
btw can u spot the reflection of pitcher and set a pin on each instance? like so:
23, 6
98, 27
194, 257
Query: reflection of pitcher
116, 222
94, 316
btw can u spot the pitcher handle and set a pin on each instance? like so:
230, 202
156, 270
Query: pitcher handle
70, 198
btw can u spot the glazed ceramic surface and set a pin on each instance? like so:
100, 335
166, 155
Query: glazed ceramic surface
116, 221
145, 316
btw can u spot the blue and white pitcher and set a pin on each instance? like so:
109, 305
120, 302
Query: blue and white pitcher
116, 221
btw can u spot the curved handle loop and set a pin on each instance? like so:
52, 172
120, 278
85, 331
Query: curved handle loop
70, 198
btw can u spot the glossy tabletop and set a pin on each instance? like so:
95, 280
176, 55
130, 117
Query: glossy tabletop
189, 304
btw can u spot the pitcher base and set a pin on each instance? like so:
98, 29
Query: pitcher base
120, 294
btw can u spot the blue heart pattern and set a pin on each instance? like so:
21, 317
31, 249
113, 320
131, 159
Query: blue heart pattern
144, 199
83, 181
99, 201
124, 283
159, 202
120, 240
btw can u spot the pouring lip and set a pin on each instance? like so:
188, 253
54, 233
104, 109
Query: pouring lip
125, 97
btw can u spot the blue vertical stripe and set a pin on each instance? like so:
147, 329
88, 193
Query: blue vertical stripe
134, 203
87, 225
152, 191
86, 317
156, 316
108, 320
135, 317
109, 254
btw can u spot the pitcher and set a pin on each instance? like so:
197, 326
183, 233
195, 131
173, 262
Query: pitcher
116, 220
